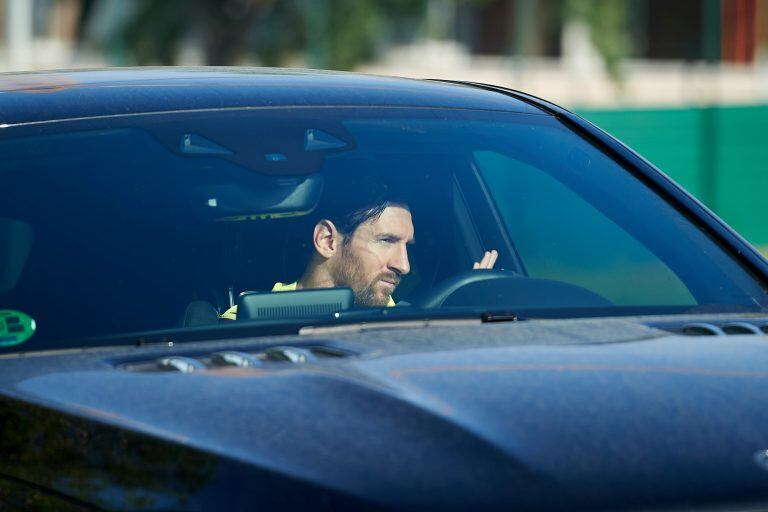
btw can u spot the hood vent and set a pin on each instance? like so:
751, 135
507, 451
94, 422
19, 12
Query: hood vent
179, 364
237, 359
291, 354
264, 358
723, 329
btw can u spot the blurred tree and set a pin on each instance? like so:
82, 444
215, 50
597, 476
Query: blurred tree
154, 34
609, 29
335, 34
353, 30
224, 25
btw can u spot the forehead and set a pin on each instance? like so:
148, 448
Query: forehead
394, 220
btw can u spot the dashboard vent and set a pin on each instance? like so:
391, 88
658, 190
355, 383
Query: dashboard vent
298, 311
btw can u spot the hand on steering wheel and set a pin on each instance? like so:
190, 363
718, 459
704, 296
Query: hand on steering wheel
488, 261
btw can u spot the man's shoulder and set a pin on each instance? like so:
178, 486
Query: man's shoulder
230, 314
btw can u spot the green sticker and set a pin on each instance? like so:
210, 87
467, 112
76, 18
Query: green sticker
15, 327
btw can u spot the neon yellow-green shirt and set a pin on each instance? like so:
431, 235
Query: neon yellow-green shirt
231, 313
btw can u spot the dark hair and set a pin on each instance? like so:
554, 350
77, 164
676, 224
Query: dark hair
347, 224
355, 197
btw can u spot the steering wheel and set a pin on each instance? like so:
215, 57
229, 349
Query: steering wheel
507, 289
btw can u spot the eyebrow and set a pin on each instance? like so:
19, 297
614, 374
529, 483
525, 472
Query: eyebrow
381, 236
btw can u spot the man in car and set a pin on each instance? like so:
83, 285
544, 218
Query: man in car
361, 245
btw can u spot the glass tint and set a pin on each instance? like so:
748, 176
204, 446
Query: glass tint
118, 224
561, 236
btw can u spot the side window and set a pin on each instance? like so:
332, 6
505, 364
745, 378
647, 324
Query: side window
561, 236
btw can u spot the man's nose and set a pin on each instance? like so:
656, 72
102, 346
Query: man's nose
399, 261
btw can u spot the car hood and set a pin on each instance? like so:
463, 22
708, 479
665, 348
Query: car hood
558, 419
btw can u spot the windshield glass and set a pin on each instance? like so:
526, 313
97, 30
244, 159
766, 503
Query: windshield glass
161, 221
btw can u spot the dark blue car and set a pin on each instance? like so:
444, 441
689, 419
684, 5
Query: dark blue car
236, 289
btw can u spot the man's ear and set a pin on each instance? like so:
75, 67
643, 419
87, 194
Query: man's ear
326, 238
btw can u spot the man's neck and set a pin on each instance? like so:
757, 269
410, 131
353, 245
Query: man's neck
316, 276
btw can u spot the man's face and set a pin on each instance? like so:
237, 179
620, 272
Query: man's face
374, 259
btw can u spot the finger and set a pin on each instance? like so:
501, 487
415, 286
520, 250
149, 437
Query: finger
492, 260
485, 260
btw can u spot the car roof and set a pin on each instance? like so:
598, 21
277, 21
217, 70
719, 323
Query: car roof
41, 97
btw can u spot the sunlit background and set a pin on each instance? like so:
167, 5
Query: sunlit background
684, 82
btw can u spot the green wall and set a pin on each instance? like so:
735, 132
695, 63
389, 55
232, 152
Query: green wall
719, 154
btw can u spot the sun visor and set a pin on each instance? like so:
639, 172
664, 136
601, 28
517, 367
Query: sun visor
264, 197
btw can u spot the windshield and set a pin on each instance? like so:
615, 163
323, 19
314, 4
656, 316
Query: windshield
161, 221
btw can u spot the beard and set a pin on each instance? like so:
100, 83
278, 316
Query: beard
367, 293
